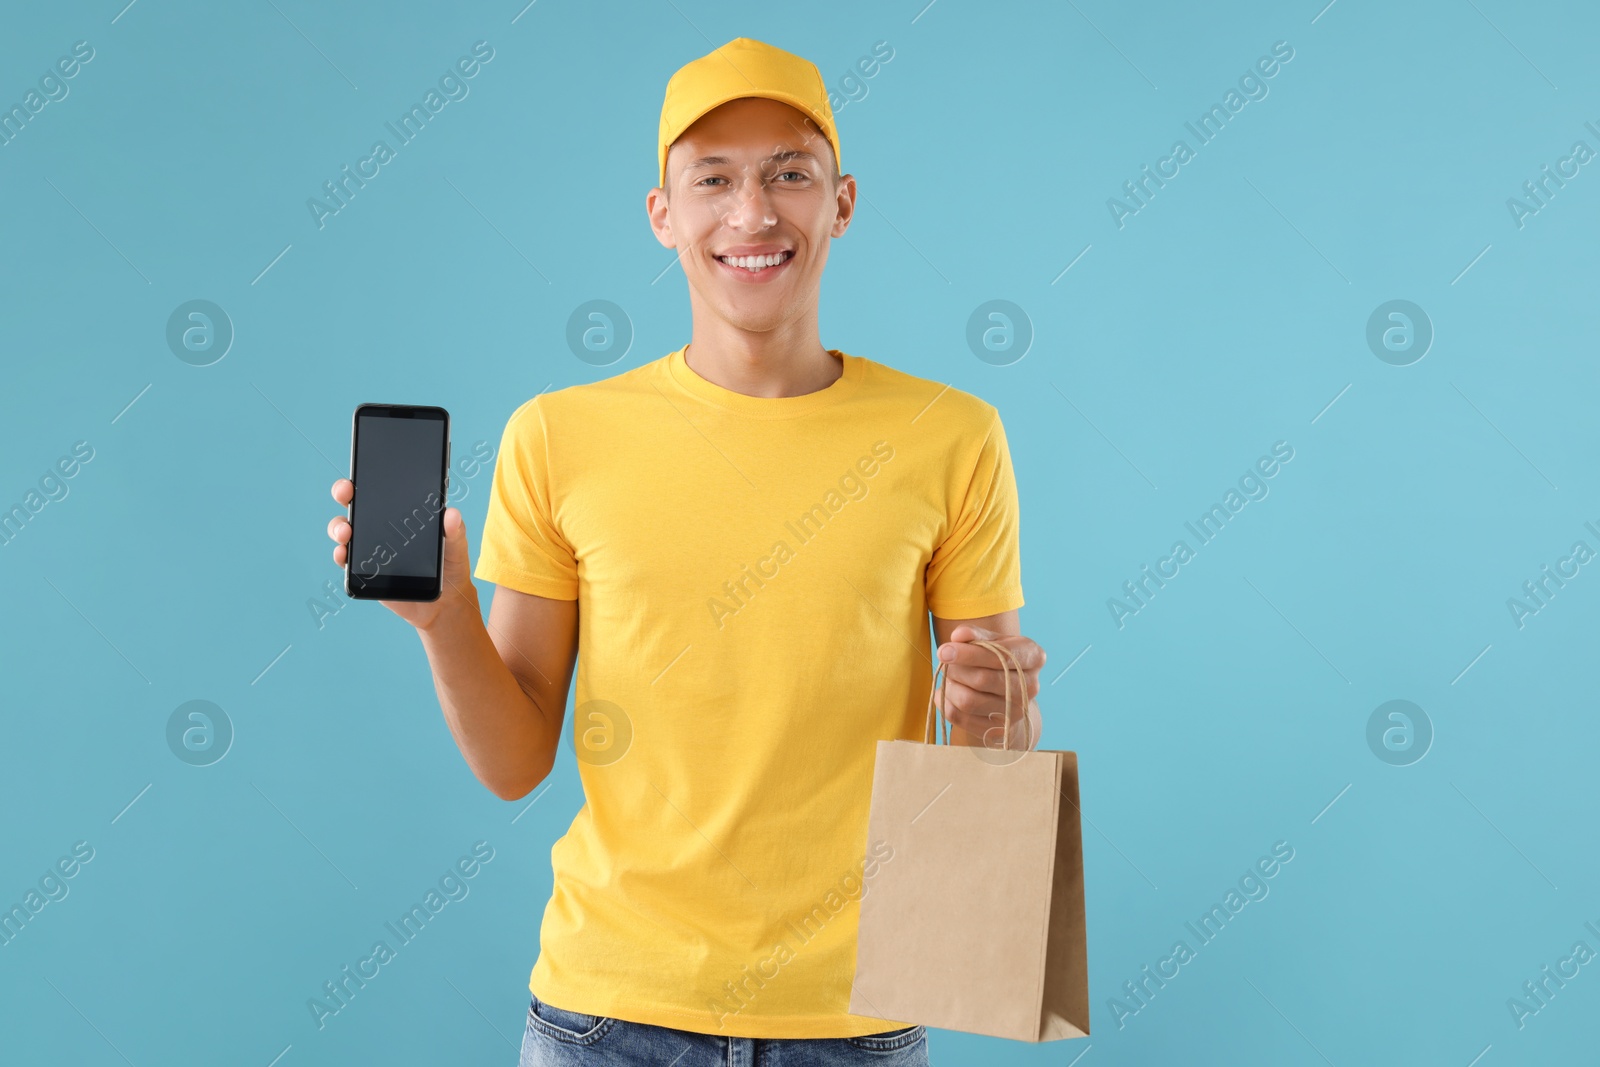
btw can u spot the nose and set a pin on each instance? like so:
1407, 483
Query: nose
752, 210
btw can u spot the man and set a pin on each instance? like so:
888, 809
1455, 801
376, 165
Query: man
742, 541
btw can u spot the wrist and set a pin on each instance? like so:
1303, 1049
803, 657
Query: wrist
455, 603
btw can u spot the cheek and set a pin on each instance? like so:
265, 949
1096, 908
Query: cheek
700, 223
817, 254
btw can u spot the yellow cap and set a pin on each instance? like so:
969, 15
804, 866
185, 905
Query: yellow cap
741, 68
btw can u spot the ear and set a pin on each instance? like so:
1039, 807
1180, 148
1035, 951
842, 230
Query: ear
846, 205
655, 206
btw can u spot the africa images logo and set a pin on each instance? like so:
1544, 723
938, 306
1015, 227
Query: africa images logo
452, 86
852, 485
1205, 129
453, 886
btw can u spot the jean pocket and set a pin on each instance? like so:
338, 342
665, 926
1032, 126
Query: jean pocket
890, 1040
571, 1027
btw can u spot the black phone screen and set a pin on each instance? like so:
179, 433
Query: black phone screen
399, 462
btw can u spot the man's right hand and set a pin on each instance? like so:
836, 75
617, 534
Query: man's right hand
458, 592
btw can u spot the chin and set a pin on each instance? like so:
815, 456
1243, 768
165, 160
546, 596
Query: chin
759, 319
755, 316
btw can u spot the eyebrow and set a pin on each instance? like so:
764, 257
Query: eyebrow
785, 156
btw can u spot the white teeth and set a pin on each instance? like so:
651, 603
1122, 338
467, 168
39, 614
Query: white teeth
753, 263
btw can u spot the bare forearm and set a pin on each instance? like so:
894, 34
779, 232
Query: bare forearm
507, 738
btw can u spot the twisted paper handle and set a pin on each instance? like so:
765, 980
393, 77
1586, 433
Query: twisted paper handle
932, 733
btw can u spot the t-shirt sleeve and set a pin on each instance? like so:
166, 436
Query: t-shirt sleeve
522, 547
977, 569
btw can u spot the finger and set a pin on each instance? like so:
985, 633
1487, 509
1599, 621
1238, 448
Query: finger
990, 730
968, 632
975, 710
984, 679
339, 554
1027, 654
457, 572
987, 722
344, 490
457, 560
339, 529
993, 680
988, 675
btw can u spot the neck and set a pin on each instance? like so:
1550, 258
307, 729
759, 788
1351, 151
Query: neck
786, 361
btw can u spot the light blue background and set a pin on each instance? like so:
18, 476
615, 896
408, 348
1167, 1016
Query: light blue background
1223, 317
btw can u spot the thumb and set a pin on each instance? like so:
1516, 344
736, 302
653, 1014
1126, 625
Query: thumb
968, 632
457, 560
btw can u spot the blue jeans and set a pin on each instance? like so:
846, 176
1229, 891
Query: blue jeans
558, 1038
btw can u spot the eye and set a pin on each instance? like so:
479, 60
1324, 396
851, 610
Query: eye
800, 174
713, 178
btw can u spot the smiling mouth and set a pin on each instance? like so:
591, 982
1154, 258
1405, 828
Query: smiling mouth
754, 265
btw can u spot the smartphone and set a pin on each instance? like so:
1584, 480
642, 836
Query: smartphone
400, 464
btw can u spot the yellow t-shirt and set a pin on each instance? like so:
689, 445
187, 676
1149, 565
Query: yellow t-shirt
754, 578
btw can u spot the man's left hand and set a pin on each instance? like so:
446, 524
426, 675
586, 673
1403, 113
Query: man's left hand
977, 688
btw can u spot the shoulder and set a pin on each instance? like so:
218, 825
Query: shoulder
587, 400
936, 406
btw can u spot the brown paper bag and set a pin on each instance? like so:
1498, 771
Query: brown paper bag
978, 923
